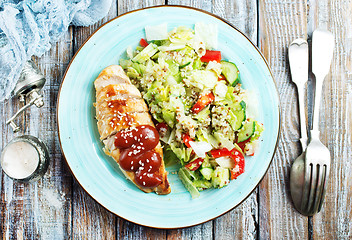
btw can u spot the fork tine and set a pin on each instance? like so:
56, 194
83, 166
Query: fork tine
313, 187
320, 187
306, 186
327, 171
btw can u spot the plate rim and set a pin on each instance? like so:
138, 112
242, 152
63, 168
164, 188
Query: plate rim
168, 6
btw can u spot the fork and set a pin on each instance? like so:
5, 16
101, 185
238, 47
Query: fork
317, 160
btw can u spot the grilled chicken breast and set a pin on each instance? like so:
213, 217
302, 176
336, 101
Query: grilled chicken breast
127, 131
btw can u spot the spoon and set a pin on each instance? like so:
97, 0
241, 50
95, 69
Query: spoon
298, 58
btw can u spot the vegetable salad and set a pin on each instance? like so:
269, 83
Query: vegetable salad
197, 102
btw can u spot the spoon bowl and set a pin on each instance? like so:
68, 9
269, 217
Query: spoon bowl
297, 181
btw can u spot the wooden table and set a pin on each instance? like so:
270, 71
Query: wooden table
56, 207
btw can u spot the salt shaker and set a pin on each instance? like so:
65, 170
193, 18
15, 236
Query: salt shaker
25, 158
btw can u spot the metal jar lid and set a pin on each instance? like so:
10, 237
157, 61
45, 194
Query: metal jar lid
43, 156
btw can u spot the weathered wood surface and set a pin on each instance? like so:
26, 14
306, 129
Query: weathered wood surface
336, 119
56, 207
280, 23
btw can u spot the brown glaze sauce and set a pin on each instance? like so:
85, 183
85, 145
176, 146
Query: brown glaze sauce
111, 91
138, 155
117, 105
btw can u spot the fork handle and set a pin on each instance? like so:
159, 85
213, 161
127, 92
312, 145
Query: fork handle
302, 115
319, 79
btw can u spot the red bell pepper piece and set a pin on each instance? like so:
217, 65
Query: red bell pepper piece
222, 77
236, 155
194, 165
143, 42
186, 139
211, 56
238, 169
202, 102
223, 152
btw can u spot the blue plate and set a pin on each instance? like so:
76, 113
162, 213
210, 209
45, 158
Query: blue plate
100, 176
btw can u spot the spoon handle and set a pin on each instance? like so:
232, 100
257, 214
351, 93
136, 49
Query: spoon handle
298, 58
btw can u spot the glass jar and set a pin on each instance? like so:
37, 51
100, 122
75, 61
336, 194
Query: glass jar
25, 158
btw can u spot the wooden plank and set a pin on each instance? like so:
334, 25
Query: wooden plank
205, 5
333, 222
280, 22
51, 203
240, 223
41, 208
129, 5
202, 231
131, 231
242, 14
89, 219
9, 202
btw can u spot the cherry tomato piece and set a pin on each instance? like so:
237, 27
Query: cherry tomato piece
202, 102
186, 139
143, 42
211, 55
194, 165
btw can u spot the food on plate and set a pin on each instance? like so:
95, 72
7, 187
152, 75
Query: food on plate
128, 132
204, 117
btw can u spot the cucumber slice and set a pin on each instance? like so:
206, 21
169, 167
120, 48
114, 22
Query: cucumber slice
220, 177
231, 73
246, 131
188, 183
238, 116
185, 65
145, 54
202, 184
173, 68
206, 172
